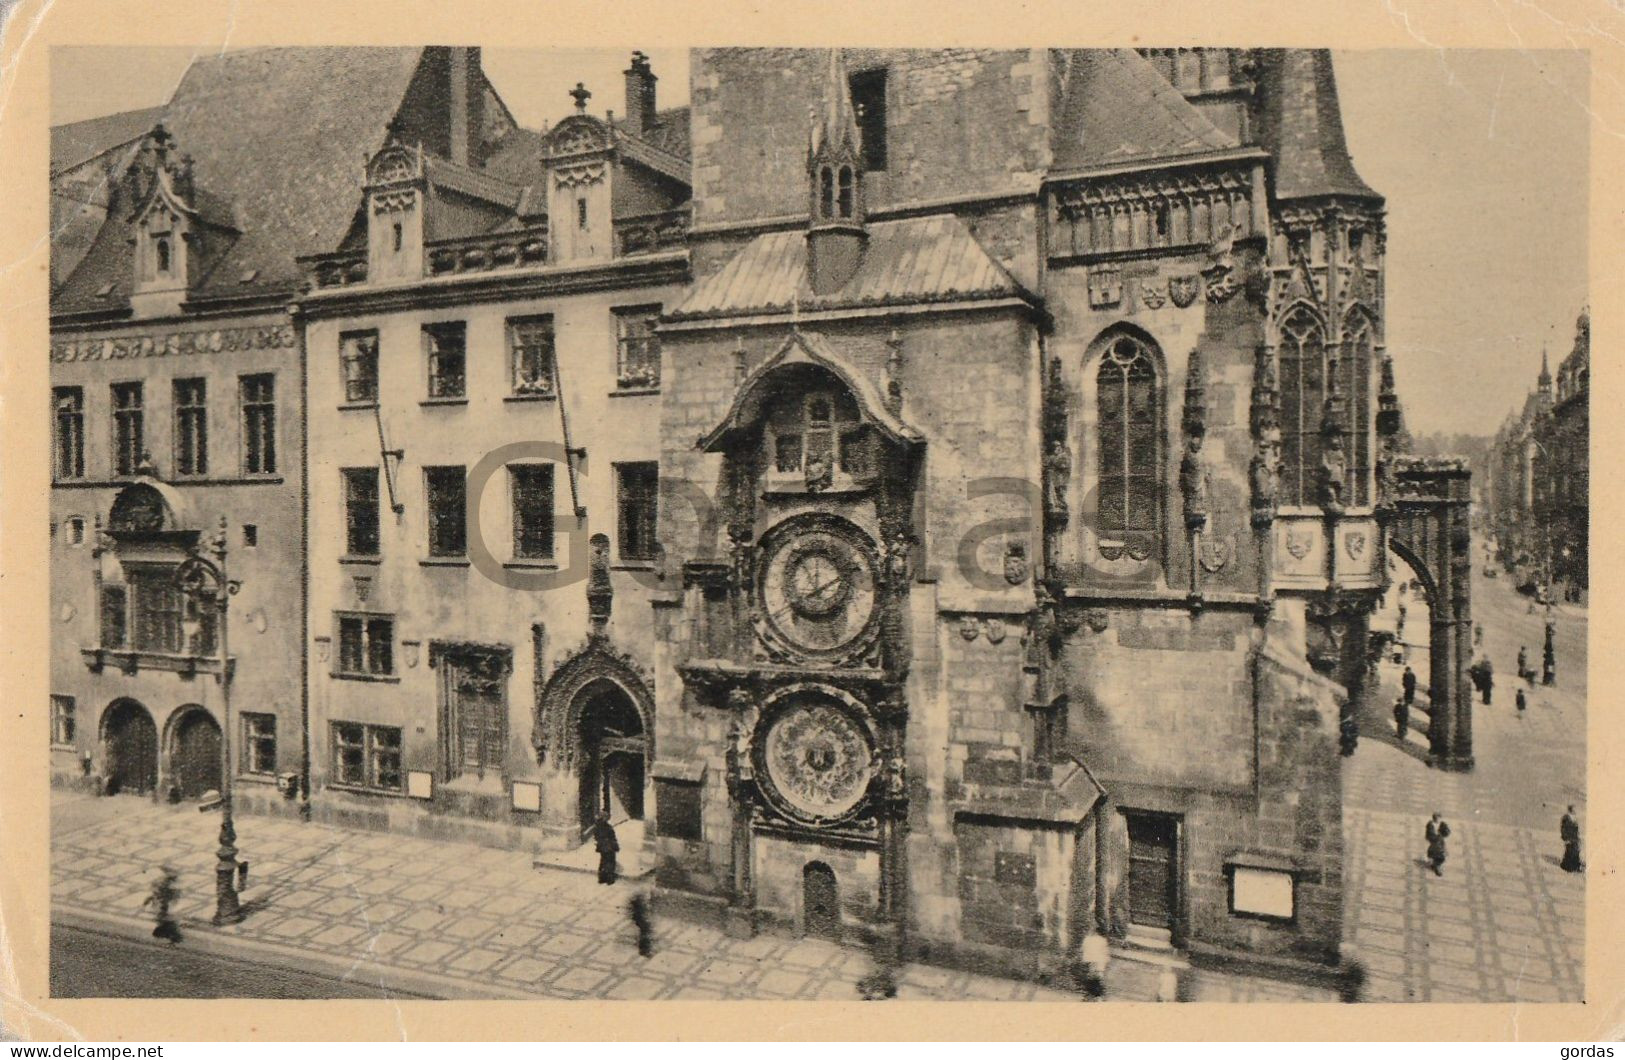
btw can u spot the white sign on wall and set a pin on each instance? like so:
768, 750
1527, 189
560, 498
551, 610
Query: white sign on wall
1261, 892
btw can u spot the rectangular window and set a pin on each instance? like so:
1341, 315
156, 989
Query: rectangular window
366, 645
637, 347
531, 340
367, 756
129, 444
69, 402
191, 427
258, 396
361, 511
358, 357
446, 490
446, 345
532, 510
259, 743
115, 616
637, 490
155, 609
869, 100
63, 722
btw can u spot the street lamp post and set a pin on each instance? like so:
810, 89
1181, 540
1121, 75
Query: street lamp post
204, 584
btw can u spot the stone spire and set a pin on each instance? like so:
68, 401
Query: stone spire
835, 203
1544, 382
835, 137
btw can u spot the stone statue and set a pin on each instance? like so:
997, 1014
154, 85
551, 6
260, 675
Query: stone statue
1193, 482
1058, 473
1265, 473
1333, 472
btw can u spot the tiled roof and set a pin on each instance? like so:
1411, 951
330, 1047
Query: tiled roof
1115, 109
920, 259
669, 132
78, 142
280, 133
1302, 126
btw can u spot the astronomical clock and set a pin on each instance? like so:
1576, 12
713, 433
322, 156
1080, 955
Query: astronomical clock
816, 591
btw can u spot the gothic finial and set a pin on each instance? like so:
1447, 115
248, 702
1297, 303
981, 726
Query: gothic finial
836, 126
580, 94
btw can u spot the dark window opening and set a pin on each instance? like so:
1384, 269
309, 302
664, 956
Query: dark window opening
191, 427
128, 433
447, 494
367, 756
258, 396
447, 360
637, 506
358, 355
1128, 403
115, 616
826, 193
64, 724
396, 235
869, 100
69, 402
843, 202
251, 536
637, 347
163, 257
366, 645
259, 743
581, 213
361, 511
532, 343
532, 510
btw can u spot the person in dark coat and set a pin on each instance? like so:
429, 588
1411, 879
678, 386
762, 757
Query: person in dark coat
1549, 656
1488, 672
1569, 829
638, 910
1523, 663
1408, 683
1349, 734
1522, 699
1437, 832
604, 841
164, 893
1402, 718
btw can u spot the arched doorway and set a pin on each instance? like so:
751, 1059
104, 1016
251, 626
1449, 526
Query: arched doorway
194, 752
820, 901
131, 742
613, 759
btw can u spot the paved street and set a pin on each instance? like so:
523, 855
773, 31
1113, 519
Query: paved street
1505, 923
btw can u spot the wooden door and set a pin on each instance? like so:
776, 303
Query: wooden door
1153, 869
132, 750
476, 714
196, 757
821, 901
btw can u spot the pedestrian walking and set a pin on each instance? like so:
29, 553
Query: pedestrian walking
164, 893
1523, 700
1402, 718
1348, 731
1569, 829
1478, 634
1488, 687
1549, 656
638, 910
1408, 683
1437, 832
1523, 663
604, 841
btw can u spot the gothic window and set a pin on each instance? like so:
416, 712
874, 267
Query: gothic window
367, 756
532, 510
163, 256
358, 356
446, 345
816, 431
637, 347
1359, 345
258, 396
366, 646
843, 193
447, 493
869, 101
531, 340
637, 491
70, 431
1128, 403
259, 743
128, 434
826, 192
191, 427
1303, 398
361, 511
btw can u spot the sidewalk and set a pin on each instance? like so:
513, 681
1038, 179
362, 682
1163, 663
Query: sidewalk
451, 920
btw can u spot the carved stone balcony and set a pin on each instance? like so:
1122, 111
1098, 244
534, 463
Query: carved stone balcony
651, 233
342, 269
524, 248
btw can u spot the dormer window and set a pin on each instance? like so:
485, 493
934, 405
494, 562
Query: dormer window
826, 193
843, 198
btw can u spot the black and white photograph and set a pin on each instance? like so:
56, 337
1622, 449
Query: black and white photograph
747, 522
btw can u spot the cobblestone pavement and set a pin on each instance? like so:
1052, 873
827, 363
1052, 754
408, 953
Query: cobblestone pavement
1504, 923
481, 921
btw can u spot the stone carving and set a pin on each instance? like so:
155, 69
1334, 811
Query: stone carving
818, 761
1354, 544
1151, 295
993, 629
600, 591
168, 344
1105, 288
1215, 553
1193, 483
1299, 540
1057, 475
579, 176
1221, 272
1183, 290
969, 627
1096, 619
1333, 473
1015, 563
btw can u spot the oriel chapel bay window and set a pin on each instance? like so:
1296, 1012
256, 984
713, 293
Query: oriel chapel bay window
149, 613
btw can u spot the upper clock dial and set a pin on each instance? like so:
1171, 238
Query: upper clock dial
818, 589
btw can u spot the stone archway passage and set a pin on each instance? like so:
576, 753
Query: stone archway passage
195, 753
131, 742
612, 763
1430, 529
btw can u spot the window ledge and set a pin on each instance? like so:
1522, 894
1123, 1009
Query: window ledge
367, 561
634, 391
268, 779
633, 564
444, 561
532, 564
530, 397
357, 406
64, 747
133, 660
426, 402
358, 789
383, 679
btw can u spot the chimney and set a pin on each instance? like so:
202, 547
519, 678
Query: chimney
640, 95
465, 105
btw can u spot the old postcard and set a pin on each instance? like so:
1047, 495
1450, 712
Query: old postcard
954, 514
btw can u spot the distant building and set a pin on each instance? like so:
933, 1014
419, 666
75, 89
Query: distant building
1540, 500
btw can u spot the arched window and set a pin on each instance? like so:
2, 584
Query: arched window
1359, 343
844, 201
1130, 457
826, 193
1303, 398
162, 249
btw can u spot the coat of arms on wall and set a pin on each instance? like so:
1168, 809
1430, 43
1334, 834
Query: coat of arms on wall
1183, 290
1215, 553
1105, 288
1299, 542
1151, 294
969, 628
1354, 544
1015, 563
